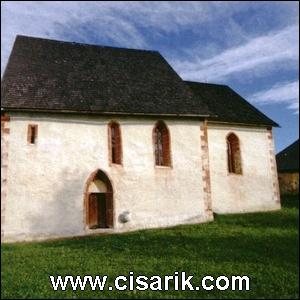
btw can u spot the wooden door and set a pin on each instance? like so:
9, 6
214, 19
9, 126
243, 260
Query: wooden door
93, 212
102, 210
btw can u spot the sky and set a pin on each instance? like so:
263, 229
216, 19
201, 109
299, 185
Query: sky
251, 46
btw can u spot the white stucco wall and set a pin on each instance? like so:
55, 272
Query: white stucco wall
254, 190
46, 181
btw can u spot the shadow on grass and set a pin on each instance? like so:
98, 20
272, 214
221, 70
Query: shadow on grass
285, 218
271, 220
253, 234
258, 244
258, 238
240, 230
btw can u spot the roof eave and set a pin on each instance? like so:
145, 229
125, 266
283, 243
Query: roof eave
244, 124
7, 109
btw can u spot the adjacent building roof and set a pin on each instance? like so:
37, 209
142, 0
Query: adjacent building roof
50, 75
288, 158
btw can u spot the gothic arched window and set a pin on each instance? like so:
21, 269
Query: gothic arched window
234, 154
115, 143
161, 138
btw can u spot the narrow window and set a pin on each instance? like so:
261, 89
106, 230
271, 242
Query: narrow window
32, 134
162, 144
234, 154
115, 143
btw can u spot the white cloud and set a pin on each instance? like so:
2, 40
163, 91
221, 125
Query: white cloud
118, 23
287, 93
258, 55
73, 21
231, 51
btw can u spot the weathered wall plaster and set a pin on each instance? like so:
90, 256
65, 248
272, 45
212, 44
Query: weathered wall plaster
46, 181
256, 189
5, 130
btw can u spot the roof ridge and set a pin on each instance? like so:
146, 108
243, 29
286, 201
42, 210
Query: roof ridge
46, 74
84, 44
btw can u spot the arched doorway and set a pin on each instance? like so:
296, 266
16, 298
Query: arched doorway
98, 201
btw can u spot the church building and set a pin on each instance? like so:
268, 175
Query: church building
102, 140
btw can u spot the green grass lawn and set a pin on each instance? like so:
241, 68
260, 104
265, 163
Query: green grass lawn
263, 246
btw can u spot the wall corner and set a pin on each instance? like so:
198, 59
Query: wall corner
206, 170
5, 131
275, 181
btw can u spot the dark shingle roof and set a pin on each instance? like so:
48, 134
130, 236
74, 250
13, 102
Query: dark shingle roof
69, 77
288, 158
53, 75
228, 105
